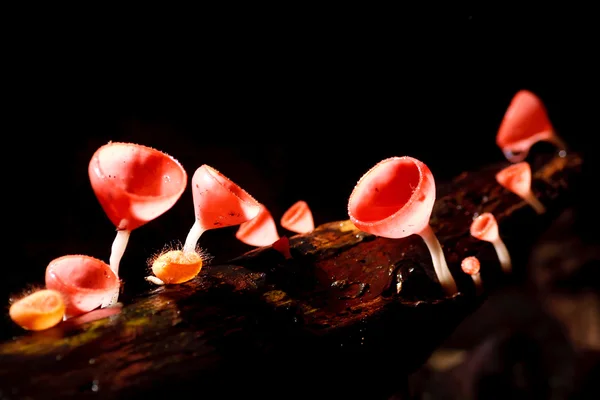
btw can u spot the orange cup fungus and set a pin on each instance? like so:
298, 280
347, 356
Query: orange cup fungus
39, 310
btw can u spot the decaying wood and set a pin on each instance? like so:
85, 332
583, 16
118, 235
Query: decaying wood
350, 314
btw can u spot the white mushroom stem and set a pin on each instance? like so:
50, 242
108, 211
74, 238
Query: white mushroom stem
439, 261
118, 249
503, 255
116, 254
477, 281
534, 202
193, 236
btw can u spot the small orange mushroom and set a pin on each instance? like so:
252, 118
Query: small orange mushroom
485, 227
517, 179
40, 310
175, 266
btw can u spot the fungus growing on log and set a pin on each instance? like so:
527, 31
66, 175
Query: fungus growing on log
218, 203
517, 179
525, 123
394, 199
134, 184
85, 282
485, 227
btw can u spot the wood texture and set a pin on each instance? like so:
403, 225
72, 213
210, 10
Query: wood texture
349, 315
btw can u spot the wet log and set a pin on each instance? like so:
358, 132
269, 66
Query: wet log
349, 314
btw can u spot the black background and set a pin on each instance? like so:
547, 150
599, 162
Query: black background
287, 107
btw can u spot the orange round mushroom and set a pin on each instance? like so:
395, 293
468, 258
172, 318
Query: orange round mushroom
177, 266
40, 310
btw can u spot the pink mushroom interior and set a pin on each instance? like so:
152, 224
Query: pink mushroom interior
387, 191
295, 212
85, 273
484, 227
141, 170
231, 186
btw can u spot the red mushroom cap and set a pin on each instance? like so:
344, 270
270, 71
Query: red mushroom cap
485, 227
394, 198
525, 123
135, 184
218, 201
298, 218
84, 281
259, 231
516, 178
470, 265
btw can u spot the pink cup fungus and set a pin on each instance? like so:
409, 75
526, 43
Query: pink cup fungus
218, 203
134, 184
471, 266
259, 231
298, 218
524, 124
485, 227
39, 310
394, 199
85, 282
517, 179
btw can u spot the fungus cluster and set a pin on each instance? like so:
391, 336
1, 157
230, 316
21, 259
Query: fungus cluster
136, 184
218, 203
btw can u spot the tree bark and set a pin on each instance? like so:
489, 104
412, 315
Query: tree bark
349, 315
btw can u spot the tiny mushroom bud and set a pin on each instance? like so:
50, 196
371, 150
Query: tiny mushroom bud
298, 218
485, 227
85, 282
394, 199
260, 230
524, 124
517, 179
470, 265
283, 246
134, 184
40, 310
